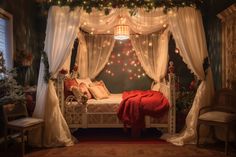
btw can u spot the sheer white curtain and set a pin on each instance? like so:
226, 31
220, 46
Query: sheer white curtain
82, 56
99, 51
62, 27
187, 29
152, 52
98, 23
93, 54
142, 22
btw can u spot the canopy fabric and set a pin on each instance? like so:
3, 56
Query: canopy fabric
188, 32
142, 22
96, 54
152, 52
82, 56
62, 28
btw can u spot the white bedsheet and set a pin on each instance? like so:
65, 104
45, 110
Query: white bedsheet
113, 99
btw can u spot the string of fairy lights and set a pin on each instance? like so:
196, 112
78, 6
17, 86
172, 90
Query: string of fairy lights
126, 60
132, 5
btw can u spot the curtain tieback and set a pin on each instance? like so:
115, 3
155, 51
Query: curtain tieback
205, 65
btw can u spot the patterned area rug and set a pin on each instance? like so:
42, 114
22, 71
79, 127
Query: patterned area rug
116, 143
126, 150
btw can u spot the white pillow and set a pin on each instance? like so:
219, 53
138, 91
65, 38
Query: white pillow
102, 85
98, 92
87, 81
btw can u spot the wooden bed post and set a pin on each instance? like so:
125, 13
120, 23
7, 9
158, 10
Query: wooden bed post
172, 113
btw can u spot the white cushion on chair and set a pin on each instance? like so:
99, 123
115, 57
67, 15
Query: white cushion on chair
25, 122
217, 116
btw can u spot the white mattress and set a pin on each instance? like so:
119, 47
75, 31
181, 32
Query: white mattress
113, 99
110, 104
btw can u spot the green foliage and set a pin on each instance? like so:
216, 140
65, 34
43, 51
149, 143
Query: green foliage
12, 93
185, 97
47, 74
2, 63
132, 5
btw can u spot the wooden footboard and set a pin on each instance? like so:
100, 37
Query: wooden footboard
77, 115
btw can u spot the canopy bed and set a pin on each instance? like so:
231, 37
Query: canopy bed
63, 25
102, 113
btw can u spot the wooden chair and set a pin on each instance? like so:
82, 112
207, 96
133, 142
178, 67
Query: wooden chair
221, 113
16, 118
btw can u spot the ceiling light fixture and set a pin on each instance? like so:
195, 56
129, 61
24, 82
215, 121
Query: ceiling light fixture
121, 32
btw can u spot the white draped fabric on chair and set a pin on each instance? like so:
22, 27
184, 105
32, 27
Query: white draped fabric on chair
62, 27
93, 53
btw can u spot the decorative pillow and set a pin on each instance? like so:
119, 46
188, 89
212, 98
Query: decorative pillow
68, 84
87, 81
98, 92
76, 91
101, 83
84, 89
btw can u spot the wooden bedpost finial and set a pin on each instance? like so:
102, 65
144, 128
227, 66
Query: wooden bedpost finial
171, 67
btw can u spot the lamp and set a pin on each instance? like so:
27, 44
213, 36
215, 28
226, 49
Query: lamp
121, 32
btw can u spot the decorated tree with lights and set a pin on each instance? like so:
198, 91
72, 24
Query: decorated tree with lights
2, 67
12, 92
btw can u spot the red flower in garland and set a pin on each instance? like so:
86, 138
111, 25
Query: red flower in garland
63, 71
75, 67
192, 85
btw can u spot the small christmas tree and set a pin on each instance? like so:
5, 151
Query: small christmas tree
2, 67
12, 92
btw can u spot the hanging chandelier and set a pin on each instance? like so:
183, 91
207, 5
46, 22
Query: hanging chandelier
121, 32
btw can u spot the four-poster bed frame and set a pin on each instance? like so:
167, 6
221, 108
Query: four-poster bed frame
78, 115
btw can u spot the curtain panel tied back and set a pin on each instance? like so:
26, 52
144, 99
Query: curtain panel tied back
62, 27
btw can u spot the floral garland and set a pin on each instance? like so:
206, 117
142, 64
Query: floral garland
132, 5
47, 74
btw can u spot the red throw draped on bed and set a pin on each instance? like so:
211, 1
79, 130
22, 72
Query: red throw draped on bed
136, 104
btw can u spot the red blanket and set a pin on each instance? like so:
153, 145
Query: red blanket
136, 104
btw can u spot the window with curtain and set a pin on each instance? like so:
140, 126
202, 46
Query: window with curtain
6, 44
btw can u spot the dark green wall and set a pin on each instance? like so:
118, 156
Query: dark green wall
28, 31
212, 26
